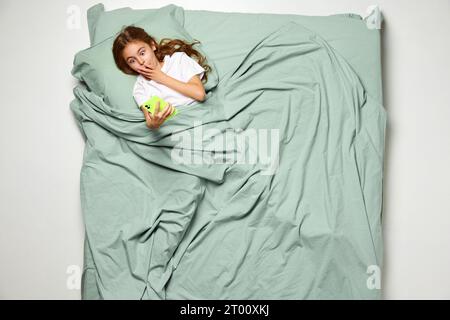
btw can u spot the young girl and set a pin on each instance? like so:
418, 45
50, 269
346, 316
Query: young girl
165, 69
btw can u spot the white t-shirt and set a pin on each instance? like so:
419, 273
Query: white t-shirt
179, 66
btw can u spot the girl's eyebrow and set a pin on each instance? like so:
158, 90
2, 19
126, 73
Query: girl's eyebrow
137, 51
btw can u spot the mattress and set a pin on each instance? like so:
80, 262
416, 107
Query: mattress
308, 228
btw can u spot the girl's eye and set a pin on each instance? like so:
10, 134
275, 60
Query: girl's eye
142, 53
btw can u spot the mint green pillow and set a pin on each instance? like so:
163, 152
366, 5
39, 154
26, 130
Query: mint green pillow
103, 24
96, 67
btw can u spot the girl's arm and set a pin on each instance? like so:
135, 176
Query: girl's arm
193, 88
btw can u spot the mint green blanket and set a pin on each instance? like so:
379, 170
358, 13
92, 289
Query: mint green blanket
269, 189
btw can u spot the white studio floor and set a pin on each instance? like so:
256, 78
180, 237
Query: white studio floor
41, 230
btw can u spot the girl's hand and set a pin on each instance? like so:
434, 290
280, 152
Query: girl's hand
152, 73
154, 121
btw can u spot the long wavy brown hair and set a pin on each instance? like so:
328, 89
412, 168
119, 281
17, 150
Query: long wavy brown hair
165, 47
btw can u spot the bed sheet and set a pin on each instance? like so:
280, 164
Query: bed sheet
307, 226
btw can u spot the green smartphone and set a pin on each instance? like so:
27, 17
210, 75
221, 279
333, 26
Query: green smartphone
150, 105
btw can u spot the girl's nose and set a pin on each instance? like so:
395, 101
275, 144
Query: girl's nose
140, 61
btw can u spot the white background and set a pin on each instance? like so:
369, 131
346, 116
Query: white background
41, 229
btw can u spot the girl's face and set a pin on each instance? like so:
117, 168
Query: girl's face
139, 53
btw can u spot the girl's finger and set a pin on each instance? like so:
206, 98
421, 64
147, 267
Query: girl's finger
167, 111
170, 108
150, 116
162, 113
157, 107
144, 71
144, 110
